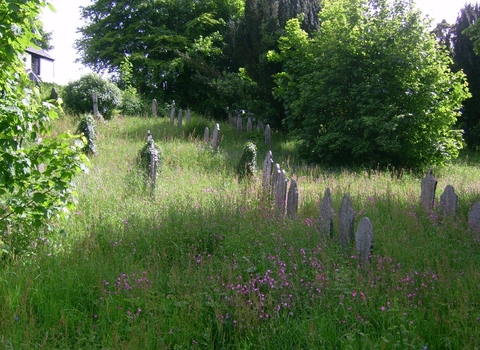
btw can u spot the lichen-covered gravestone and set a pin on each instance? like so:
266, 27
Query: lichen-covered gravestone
180, 117
326, 215
267, 172
268, 136
154, 107
206, 135
150, 162
474, 217
429, 185
292, 201
172, 113
364, 239
346, 218
216, 135
449, 201
281, 193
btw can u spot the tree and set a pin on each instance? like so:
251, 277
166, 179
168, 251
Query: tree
465, 42
36, 170
371, 88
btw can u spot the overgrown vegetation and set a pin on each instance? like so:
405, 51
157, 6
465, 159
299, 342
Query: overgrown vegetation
205, 264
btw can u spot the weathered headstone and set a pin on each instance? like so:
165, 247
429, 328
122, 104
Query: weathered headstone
54, 94
154, 107
95, 105
292, 201
268, 136
364, 239
239, 124
281, 193
267, 172
231, 119
346, 218
206, 135
429, 185
179, 117
474, 217
275, 174
249, 124
172, 113
216, 135
188, 116
326, 215
449, 201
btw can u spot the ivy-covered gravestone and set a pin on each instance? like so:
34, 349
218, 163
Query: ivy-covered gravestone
248, 161
150, 162
88, 129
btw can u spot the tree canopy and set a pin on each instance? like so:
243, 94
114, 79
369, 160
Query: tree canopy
371, 87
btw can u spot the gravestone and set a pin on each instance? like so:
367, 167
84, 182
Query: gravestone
292, 201
231, 120
249, 124
95, 105
268, 136
267, 172
172, 113
364, 239
54, 94
449, 201
260, 126
179, 117
216, 135
239, 124
326, 215
275, 174
281, 193
188, 116
154, 107
206, 135
474, 217
429, 185
346, 218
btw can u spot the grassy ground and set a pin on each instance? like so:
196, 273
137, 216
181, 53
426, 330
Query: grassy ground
207, 265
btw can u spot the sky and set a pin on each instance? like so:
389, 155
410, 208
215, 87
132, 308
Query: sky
65, 21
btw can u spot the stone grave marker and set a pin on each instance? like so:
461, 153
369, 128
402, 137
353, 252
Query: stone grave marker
188, 116
180, 117
292, 201
267, 172
268, 136
346, 218
327, 215
249, 124
154, 107
216, 135
206, 135
281, 193
95, 105
364, 239
429, 185
172, 113
474, 217
260, 125
449, 201
54, 94
239, 124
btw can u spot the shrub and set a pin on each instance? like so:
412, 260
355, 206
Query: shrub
132, 103
248, 161
78, 95
196, 127
87, 128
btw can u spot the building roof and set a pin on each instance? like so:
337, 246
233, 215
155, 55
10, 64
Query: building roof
40, 53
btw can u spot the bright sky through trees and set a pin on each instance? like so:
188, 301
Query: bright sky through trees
66, 20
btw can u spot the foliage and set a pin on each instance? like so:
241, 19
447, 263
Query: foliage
384, 96
87, 127
465, 56
78, 95
196, 127
132, 103
248, 162
36, 170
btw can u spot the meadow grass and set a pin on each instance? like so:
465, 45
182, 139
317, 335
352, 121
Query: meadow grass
206, 264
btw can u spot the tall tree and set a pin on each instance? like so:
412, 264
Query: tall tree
465, 32
371, 88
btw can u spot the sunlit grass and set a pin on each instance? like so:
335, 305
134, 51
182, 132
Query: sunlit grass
206, 264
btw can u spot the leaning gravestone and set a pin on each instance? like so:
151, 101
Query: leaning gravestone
364, 239
281, 192
429, 185
154, 107
216, 135
474, 217
249, 124
292, 201
449, 201
172, 113
268, 136
267, 172
179, 117
326, 215
206, 135
346, 218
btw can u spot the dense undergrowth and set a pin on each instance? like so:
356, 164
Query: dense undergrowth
207, 265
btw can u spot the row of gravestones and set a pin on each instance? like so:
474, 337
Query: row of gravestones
448, 200
274, 182
237, 122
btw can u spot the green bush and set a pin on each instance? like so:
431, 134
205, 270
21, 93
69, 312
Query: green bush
132, 103
248, 161
196, 127
78, 95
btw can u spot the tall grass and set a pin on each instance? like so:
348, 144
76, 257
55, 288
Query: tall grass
207, 265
